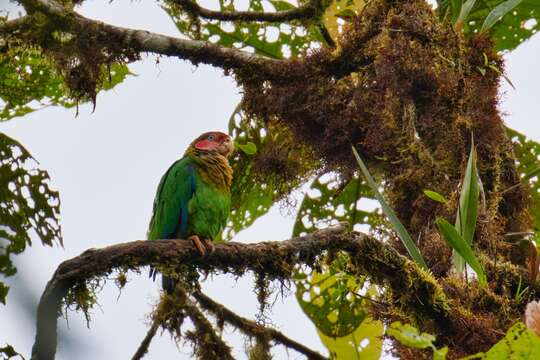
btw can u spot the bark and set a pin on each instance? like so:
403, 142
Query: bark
276, 259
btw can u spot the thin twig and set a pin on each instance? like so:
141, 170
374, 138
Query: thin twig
251, 328
208, 344
143, 347
305, 11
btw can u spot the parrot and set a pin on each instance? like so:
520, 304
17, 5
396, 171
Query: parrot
193, 197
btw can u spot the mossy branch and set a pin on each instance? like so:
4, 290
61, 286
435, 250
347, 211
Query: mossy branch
145, 343
145, 41
207, 344
276, 259
251, 328
308, 10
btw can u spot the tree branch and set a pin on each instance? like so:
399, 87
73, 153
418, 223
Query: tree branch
145, 41
14, 25
143, 347
305, 11
208, 345
251, 328
276, 259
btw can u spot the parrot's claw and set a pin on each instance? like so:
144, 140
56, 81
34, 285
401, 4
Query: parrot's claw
210, 247
198, 244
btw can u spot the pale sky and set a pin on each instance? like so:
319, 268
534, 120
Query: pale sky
107, 164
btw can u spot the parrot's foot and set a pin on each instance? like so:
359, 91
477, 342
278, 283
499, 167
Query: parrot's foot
210, 247
198, 244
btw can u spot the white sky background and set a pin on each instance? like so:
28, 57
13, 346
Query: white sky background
107, 165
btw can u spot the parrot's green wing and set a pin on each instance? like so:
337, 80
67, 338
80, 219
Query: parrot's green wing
175, 190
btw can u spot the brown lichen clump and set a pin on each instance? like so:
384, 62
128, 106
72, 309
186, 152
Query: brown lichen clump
408, 92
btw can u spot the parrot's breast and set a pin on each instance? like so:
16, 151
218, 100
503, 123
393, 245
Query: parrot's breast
208, 210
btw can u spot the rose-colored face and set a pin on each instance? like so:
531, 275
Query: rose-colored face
215, 141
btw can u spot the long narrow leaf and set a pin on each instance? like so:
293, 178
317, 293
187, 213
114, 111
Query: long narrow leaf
464, 13
498, 13
408, 242
468, 206
458, 243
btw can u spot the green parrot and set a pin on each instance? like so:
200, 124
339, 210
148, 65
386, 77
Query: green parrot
193, 197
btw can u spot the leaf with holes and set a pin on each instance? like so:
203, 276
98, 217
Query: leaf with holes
527, 153
519, 343
27, 204
409, 336
330, 299
498, 13
253, 192
340, 9
328, 202
516, 25
363, 343
275, 40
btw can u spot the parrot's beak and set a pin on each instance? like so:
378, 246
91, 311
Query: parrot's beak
226, 148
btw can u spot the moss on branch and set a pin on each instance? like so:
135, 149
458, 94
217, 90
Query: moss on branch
276, 260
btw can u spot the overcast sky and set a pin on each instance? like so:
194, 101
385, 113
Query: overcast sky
107, 164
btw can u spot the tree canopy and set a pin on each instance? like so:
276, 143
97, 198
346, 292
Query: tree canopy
386, 100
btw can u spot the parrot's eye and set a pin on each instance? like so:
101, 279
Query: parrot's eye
211, 137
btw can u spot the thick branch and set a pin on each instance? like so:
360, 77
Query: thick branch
14, 25
145, 41
306, 11
276, 259
251, 328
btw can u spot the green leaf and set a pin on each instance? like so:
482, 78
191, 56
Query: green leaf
327, 202
30, 81
433, 195
253, 192
248, 148
449, 10
273, 40
440, 354
329, 299
465, 10
353, 346
406, 239
519, 343
531, 174
497, 13
515, 27
340, 9
462, 247
27, 204
468, 205
4, 289
527, 153
409, 336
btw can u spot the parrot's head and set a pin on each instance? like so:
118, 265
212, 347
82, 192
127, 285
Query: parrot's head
214, 141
